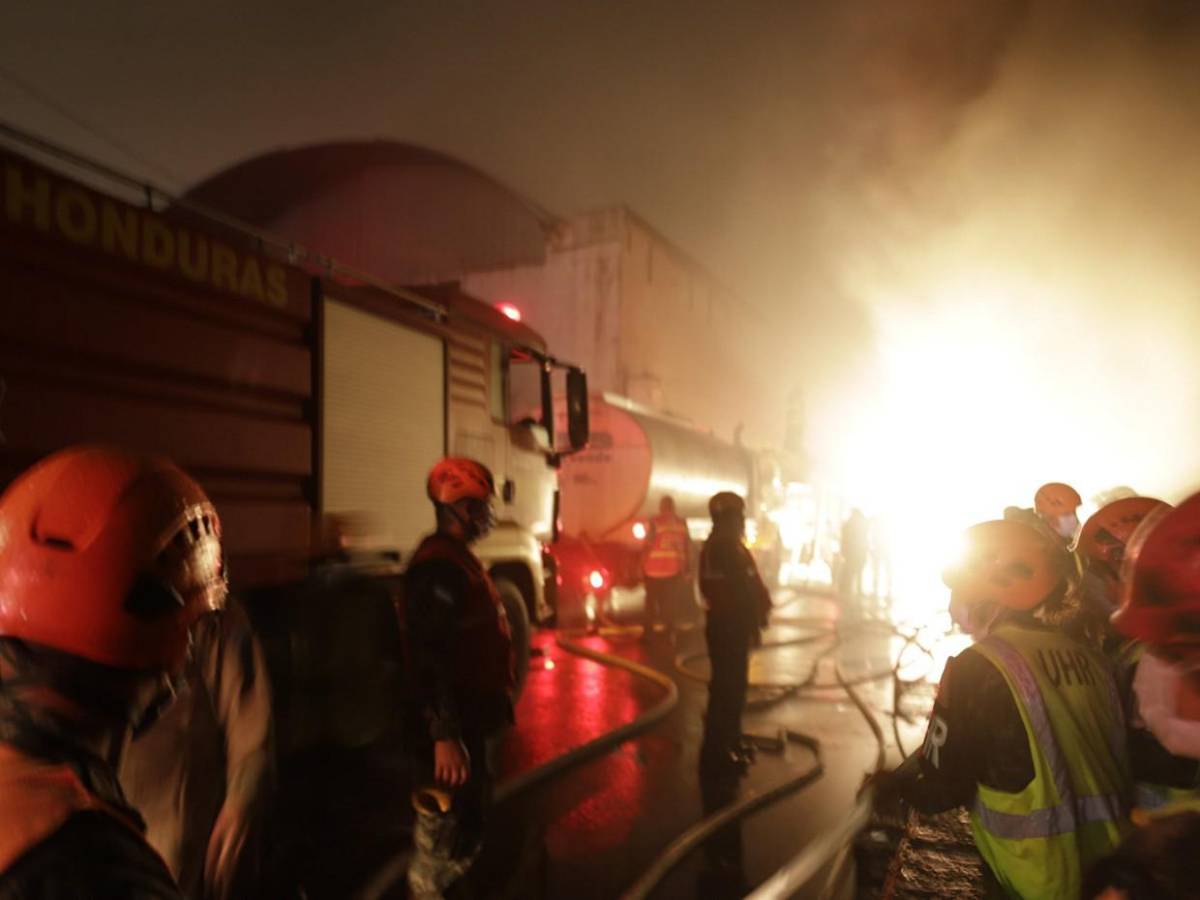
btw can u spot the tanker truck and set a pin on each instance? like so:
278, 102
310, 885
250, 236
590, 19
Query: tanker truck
609, 492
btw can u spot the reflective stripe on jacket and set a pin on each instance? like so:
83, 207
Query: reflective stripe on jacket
1039, 840
667, 550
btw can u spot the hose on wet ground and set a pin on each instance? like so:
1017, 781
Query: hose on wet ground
394, 869
835, 845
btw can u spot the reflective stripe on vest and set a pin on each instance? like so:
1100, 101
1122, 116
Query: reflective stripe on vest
667, 553
1071, 811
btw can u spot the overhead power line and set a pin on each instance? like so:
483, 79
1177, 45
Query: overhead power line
42, 97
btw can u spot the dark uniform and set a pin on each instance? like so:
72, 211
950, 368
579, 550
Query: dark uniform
738, 607
460, 669
65, 828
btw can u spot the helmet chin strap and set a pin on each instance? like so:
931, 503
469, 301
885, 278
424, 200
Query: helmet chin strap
471, 528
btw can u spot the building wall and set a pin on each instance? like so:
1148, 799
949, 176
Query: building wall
647, 322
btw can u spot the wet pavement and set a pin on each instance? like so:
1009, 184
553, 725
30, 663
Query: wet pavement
592, 832
344, 819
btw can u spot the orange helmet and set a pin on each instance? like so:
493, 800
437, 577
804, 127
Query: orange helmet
458, 478
108, 557
1009, 563
1056, 499
1106, 533
1160, 579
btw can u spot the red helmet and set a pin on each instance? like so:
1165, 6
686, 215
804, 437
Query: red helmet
1009, 563
1106, 533
108, 557
458, 478
1160, 579
1056, 499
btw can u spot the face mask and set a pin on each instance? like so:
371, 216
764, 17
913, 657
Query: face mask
1157, 685
1066, 526
969, 619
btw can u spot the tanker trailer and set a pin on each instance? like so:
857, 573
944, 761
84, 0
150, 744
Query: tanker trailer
609, 492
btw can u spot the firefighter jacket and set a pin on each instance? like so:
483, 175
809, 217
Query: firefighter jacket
1048, 796
1162, 781
66, 832
734, 592
211, 747
666, 547
458, 644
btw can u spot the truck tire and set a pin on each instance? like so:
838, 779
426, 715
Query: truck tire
518, 623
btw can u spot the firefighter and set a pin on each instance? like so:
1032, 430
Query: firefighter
853, 551
107, 562
461, 672
200, 775
1027, 730
666, 565
1160, 608
1057, 505
1101, 548
739, 607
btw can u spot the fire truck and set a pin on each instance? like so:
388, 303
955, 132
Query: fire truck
611, 490
288, 385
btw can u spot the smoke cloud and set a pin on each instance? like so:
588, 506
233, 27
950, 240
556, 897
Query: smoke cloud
1013, 211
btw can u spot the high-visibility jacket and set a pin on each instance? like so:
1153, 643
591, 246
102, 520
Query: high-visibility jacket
667, 547
1038, 841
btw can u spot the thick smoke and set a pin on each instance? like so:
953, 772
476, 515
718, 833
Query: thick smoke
1015, 208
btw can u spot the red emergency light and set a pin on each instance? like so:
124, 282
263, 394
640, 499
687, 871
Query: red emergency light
510, 310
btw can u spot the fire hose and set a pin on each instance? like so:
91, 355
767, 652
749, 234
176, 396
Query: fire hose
834, 845
394, 869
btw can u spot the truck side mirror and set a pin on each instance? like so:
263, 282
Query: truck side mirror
548, 404
578, 426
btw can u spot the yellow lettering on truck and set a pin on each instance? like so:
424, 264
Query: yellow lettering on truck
75, 214
119, 231
158, 244
18, 197
193, 262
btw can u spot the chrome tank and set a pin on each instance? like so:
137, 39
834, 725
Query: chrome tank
634, 458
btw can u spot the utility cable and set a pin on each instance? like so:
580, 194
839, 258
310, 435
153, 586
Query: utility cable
41, 96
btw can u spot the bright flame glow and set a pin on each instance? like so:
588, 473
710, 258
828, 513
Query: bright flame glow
639, 530
511, 310
961, 427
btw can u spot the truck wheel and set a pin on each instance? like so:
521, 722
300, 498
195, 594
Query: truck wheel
518, 623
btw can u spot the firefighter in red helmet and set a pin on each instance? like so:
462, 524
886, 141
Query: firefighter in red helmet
461, 675
107, 562
1160, 608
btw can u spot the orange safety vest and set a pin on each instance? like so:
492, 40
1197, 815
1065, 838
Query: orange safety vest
666, 555
36, 799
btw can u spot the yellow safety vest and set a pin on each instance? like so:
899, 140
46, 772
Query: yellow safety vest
1039, 840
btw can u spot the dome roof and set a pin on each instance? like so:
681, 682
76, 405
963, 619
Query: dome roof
405, 214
